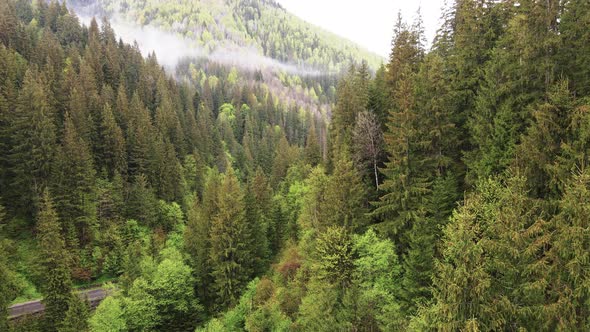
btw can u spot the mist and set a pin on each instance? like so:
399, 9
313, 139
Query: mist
171, 48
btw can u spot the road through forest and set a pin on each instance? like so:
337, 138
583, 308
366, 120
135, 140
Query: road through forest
94, 296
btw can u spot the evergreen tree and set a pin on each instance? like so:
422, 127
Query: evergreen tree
230, 255
569, 254
313, 153
573, 60
345, 205
513, 79
142, 201
406, 179
113, 153
75, 188
34, 133
8, 285
54, 271
493, 273
257, 203
76, 318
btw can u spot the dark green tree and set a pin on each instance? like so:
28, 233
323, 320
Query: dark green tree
75, 187
76, 318
54, 267
230, 256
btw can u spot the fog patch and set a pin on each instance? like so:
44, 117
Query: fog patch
171, 48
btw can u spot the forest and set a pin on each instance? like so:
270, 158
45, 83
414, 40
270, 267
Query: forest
444, 190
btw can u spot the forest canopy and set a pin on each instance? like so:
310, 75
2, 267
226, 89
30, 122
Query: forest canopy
446, 190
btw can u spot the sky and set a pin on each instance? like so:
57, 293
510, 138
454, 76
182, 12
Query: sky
366, 22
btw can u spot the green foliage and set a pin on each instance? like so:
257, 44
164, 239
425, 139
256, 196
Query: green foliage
53, 265
76, 319
569, 272
8, 282
108, 316
231, 262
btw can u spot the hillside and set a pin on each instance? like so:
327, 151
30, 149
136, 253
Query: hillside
260, 25
447, 191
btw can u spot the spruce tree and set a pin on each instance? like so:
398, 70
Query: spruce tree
406, 179
75, 187
572, 58
142, 202
345, 205
514, 78
229, 254
76, 318
34, 133
113, 153
8, 285
569, 253
54, 270
257, 202
493, 273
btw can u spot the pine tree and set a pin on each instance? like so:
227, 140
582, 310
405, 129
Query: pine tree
229, 234
54, 271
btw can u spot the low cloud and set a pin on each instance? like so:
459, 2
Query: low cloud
171, 48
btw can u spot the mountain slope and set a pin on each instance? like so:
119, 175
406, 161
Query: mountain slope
262, 25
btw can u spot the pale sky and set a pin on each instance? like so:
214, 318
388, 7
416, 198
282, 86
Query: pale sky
366, 22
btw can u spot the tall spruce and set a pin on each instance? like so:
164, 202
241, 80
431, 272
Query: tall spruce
54, 265
231, 260
75, 187
569, 253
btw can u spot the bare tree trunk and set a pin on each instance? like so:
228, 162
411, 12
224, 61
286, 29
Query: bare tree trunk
376, 174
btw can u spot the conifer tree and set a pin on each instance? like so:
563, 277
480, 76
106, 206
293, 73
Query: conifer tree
257, 201
514, 78
569, 253
573, 59
197, 242
493, 273
406, 180
313, 153
142, 201
170, 181
8, 285
140, 140
34, 133
230, 255
345, 206
76, 318
113, 152
54, 268
75, 187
